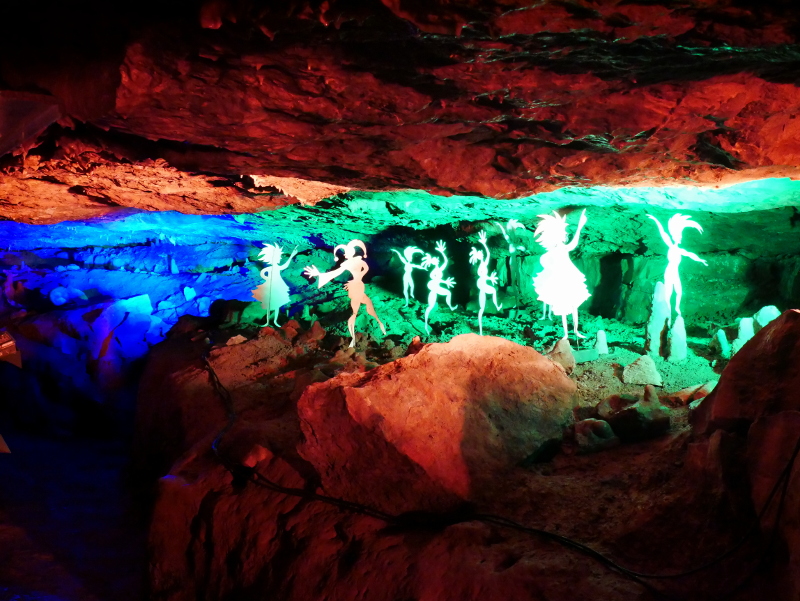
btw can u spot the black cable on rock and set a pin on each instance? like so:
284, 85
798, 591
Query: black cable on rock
422, 519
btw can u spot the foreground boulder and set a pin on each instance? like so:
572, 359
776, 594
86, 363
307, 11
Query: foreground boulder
761, 379
439, 425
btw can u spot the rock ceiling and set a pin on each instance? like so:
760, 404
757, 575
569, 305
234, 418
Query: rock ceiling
223, 105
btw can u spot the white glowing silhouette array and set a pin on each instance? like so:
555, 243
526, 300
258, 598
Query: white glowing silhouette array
559, 285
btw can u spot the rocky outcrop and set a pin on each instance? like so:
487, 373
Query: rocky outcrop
762, 379
440, 425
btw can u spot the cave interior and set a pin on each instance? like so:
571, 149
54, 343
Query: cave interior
166, 435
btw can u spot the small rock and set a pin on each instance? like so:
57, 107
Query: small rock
415, 346
601, 344
687, 395
238, 339
615, 403
314, 334
290, 329
764, 316
189, 293
592, 435
562, 354
642, 371
646, 419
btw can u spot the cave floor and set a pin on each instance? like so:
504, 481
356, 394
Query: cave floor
71, 528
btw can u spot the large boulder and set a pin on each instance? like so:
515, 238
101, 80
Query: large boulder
434, 428
761, 379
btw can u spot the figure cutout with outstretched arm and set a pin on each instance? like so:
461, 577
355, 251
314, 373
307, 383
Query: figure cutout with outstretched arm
512, 225
560, 285
273, 293
408, 268
358, 268
437, 284
672, 280
485, 282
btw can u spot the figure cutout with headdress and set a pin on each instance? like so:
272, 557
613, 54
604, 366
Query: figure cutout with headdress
358, 268
437, 284
672, 280
273, 293
560, 285
408, 268
486, 283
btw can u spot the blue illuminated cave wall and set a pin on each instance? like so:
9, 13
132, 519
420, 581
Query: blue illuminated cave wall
86, 301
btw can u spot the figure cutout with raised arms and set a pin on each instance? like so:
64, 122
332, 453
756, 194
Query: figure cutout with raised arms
672, 280
485, 282
408, 268
358, 268
273, 293
437, 284
560, 285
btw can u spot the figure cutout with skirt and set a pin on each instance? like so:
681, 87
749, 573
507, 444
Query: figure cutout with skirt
273, 293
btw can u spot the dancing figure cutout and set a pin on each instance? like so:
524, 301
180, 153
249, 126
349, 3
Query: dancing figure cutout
485, 282
408, 268
437, 284
273, 293
672, 280
358, 268
560, 285
512, 225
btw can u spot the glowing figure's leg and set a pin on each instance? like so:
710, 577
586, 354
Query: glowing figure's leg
564, 323
448, 297
494, 297
351, 322
482, 303
408, 287
431, 301
678, 295
371, 311
276, 317
575, 324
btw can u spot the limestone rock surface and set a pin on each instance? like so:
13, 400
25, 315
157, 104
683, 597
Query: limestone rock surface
439, 424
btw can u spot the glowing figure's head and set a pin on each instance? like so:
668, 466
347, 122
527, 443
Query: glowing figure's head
410, 251
270, 254
475, 256
429, 260
551, 231
678, 223
349, 249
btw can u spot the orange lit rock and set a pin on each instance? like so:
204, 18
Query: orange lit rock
438, 425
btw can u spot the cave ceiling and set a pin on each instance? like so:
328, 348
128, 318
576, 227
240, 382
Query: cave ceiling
230, 106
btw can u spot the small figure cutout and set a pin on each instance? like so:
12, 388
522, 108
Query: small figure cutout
408, 268
672, 280
560, 285
485, 282
512, 225
273, 293
356, 265
437, 284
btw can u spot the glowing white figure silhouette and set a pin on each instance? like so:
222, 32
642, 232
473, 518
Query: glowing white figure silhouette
437, 284
560, 284
484, 279
512, 225
408, 267
356, 265
273, 293
672, 280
